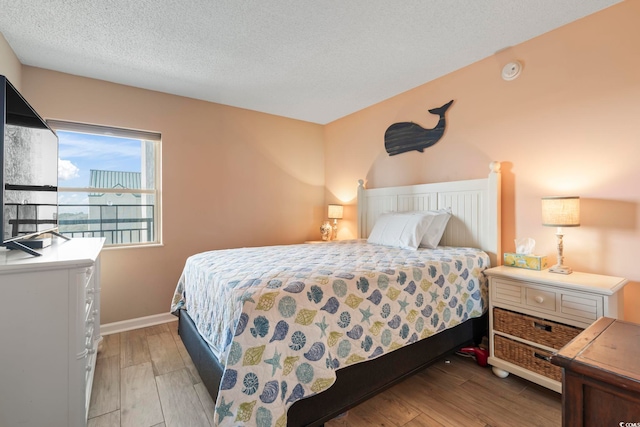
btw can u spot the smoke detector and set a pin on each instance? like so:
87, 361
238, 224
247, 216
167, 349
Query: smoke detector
511, 70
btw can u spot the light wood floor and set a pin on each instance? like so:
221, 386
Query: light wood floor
145, 378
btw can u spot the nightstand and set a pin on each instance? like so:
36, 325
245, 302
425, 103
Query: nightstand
533, 314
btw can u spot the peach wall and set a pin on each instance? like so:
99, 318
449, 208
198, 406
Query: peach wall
230, 178
569, 125
10, 66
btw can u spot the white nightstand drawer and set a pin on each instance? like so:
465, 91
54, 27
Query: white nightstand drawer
540, 299
507, 292
528, 357
533, 329
547, 301
583, 307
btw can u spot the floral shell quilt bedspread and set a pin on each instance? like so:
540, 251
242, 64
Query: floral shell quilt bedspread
283, 319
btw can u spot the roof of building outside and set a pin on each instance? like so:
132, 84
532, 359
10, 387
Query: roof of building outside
113, 179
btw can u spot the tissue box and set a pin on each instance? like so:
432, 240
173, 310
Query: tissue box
531, 262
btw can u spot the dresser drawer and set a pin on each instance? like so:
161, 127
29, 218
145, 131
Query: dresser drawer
528, 357
585, 307
540, 299
559, 304
534, 329
507, 292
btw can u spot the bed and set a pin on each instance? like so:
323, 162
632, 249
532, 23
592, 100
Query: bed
300, 335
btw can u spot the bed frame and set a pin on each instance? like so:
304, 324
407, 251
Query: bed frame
475, 205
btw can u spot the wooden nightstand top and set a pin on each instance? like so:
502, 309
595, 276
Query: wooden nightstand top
607, 346
595, 283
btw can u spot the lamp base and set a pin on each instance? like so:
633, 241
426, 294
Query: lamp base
561, 269
325, 230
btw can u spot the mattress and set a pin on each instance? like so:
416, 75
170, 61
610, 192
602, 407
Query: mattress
282, 319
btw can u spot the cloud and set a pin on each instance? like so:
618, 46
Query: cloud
76, 145
88, 151
67, 170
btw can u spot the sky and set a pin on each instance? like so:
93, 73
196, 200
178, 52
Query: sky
80, 152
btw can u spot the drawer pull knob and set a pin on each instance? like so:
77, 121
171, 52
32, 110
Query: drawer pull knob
539, 299
542, 326
542, 356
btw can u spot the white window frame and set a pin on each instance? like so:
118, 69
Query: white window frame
155, 138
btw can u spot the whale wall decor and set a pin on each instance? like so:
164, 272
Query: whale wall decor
408, 136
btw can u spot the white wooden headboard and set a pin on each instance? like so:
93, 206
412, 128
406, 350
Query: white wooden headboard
475, 205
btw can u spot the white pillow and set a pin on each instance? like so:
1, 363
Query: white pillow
399, 229
437, 225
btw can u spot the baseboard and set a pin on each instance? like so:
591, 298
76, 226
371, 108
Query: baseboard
137, 323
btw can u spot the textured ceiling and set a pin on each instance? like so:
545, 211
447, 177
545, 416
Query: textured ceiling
310, 60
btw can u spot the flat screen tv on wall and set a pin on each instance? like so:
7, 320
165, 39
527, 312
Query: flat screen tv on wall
29, 179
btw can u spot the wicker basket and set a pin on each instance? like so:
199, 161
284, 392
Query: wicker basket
526, 356
534, 329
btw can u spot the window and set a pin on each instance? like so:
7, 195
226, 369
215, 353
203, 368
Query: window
108, 183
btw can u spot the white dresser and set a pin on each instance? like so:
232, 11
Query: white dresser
49, 333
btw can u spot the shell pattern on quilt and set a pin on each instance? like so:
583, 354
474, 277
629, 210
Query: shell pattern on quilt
283, 319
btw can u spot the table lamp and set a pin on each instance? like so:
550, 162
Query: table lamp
560, 212
335, 213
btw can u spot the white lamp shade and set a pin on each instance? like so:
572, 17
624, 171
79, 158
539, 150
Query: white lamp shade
561, 211
335, 212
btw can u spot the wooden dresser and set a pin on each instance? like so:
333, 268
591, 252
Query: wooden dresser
49, 333
601, 375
